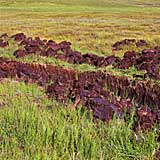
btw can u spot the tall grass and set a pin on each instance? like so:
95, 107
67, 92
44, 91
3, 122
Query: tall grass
35, 127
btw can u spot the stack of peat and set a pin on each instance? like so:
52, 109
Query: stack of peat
88, 88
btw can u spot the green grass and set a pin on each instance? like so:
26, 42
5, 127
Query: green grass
79, 6
34, 127
91, 26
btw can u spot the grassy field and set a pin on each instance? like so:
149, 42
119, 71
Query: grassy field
91, 26
32, 126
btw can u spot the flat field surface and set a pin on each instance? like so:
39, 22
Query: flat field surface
90, 25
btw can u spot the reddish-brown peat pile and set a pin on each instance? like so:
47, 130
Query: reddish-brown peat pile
101, 92
147, 59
